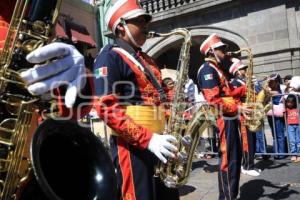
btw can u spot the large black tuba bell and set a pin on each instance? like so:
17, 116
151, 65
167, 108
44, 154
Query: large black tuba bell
70, 162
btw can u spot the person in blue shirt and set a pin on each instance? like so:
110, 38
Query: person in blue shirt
275, 116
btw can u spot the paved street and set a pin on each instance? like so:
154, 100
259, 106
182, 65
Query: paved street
280, 179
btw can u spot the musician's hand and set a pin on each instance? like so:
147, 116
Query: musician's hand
246, 111
162, 147
65, 66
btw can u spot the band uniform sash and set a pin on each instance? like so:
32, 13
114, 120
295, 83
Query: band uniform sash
228, 100
150, 117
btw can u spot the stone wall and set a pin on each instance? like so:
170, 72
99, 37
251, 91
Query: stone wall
271, 28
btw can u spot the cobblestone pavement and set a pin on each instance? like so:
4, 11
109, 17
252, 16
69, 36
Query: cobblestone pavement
279, 179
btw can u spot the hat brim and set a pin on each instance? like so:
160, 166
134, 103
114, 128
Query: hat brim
243, 67
219, 45
137, 13
148, 17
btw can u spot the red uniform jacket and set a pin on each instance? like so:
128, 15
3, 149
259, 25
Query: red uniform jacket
215, 87
120, 81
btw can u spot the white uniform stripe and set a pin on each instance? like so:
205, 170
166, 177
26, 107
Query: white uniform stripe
122, 51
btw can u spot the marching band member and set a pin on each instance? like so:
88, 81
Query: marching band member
238, 70
128, 83
219, 92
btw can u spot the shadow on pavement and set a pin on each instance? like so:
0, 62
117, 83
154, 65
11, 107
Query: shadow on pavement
255, 189
270, 164
198, 164
186, 189
207, 167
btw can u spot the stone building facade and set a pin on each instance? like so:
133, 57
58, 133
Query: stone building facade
271, 28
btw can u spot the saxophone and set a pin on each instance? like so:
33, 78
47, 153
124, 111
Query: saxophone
257, 102
27, 32
38, 177
176, 171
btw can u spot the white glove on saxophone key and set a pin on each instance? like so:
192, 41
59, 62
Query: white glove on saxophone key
65, 67
162, 147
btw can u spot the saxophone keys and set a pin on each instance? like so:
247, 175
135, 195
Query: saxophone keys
39, 26
186, 140
182, 157
180, 172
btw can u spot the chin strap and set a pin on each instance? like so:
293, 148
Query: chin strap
217, 58
129, 33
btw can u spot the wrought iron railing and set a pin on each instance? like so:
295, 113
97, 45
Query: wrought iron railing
154, 6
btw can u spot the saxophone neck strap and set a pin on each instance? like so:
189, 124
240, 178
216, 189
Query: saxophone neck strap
137, 59
150, 75
214, 64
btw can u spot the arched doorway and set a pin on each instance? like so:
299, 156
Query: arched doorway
166, 50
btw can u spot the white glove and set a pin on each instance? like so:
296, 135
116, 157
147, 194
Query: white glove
162, 147
67, 68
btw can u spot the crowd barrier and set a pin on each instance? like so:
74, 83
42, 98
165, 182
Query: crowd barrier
268, 141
